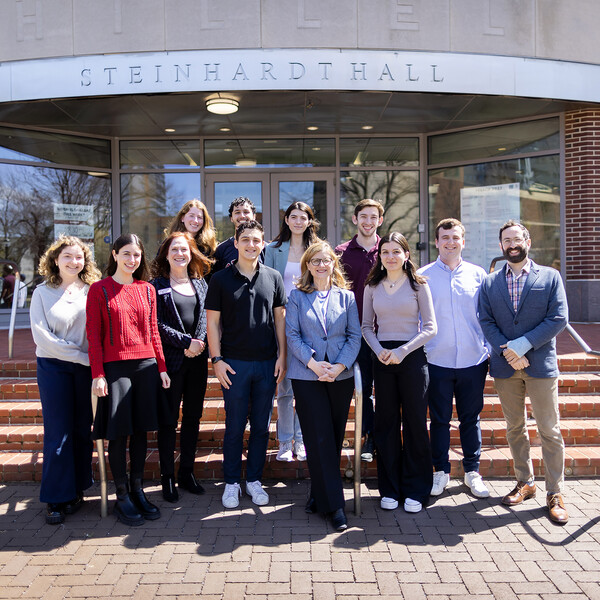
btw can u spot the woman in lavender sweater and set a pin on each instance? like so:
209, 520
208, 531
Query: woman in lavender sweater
399, 301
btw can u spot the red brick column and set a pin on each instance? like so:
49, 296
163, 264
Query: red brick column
582, 212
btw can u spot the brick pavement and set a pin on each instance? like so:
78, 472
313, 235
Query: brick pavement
459, 547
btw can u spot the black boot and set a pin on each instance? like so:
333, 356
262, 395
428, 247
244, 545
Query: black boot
149, 511
188, 482
169, 491
55, 513
124, 508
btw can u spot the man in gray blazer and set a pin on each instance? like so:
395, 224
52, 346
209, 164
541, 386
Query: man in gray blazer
522, 308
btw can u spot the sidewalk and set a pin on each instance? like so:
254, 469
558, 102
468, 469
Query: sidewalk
459, 547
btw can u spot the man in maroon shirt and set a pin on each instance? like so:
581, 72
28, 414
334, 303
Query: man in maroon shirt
358, 256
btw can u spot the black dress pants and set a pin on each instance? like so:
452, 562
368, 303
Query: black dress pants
404, 466
323, 411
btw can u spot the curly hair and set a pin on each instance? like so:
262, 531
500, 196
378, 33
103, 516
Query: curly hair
206, 238
379, 272
306, 283
49, 270
198, 267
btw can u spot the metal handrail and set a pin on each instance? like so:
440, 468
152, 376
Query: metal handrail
358, 401
13, 314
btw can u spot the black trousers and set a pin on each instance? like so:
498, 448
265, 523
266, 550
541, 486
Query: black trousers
188, 388
404, 465
323, 411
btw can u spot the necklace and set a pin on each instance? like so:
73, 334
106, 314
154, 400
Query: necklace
180, 281
393, 285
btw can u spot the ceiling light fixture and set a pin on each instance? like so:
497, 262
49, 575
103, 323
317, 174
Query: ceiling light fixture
169, 130
245, 162
224, 129
312, 128
367, 127
222, 106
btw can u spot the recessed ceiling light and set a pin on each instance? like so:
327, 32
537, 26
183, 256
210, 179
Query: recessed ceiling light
222, 106
367, 127
245, 162
501, 149
224, 129
312, 128
169, 130
227, 149
316, 149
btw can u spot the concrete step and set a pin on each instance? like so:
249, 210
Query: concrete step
582, 461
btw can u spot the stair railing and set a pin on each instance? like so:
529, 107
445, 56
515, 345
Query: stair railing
569, 328
358, 401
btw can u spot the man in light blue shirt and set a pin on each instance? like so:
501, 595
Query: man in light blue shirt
457, 357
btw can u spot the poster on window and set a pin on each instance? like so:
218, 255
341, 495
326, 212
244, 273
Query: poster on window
75, 219
483, 210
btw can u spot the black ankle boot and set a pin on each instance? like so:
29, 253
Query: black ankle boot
55, 514
149, 511
124, 508
169, 491
188, 482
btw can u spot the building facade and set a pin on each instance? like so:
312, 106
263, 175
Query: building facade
480, 109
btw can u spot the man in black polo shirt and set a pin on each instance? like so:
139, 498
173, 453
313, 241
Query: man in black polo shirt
241, 210
245, 308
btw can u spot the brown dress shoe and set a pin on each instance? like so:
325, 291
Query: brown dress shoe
523, 491
556, 506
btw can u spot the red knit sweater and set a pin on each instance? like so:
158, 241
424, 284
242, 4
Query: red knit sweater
121, 324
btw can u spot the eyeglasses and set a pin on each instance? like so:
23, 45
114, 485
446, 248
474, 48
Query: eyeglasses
315, 262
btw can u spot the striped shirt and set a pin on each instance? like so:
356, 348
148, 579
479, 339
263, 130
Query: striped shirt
516, 284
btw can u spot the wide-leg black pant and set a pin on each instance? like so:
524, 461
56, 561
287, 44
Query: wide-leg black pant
323, 411
404, 466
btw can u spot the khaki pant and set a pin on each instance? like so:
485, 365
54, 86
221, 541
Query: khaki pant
543, 393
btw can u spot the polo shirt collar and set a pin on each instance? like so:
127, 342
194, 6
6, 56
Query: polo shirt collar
354, 243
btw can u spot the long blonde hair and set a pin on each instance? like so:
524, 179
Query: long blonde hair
306, 283
206, 238
49, 270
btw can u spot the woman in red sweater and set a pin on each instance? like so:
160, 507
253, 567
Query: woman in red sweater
128, 367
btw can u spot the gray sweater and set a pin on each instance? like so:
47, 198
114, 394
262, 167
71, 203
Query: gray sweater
58, 324
398, 317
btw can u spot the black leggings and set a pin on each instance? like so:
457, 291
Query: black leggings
117, 456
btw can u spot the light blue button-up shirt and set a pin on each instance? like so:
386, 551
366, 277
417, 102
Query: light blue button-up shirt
459, 342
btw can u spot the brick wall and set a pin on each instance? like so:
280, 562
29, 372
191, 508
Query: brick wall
582, 194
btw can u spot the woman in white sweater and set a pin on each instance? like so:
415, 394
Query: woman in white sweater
64, 377
398, 318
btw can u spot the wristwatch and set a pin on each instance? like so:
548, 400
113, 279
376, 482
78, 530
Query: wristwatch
216, 359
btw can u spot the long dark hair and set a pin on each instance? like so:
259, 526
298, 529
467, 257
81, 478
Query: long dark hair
379, 272
199, 264
142, 272
309, 236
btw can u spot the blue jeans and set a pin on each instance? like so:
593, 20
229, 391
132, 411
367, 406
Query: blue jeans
250, 393
466, 385
65, 391
288, 425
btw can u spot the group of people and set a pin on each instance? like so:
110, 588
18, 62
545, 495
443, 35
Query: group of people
289, 320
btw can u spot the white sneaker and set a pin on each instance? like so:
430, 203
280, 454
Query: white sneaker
255, 490
474, 482
412, 506
285, 453
231, 495
300, 450
440, 482
389, 503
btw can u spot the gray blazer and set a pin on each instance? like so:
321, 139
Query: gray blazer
277, 257
541, 315
308, 336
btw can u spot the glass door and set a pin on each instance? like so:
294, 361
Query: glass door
221, 189
316, 190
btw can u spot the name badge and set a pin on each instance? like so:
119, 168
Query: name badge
164, 291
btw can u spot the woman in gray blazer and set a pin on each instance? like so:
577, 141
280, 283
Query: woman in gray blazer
298, 232
323, 336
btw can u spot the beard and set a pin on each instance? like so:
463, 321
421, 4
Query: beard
515, 258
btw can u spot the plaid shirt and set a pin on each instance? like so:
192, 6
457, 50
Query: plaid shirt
516, 284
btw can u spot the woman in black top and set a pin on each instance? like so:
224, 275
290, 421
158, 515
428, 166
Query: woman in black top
179, 271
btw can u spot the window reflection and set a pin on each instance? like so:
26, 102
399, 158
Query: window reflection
526, 189
150, 200
36, 204
398, 191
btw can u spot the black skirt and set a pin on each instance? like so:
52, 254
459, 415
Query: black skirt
136, 400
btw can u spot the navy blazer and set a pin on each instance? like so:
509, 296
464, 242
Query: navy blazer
172, 332
308, 336
541, 315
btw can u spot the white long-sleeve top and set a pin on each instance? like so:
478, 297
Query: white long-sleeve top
58, 324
